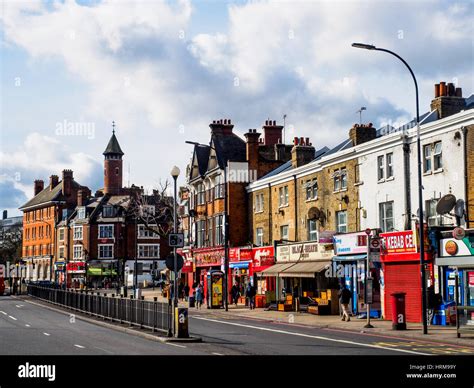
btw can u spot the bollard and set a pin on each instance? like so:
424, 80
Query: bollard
181, 322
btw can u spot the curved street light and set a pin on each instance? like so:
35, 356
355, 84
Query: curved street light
420, 185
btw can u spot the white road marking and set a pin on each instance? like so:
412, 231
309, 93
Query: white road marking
47, 334
19, 306
104, 350
217, 354
79, 346
312, 336
179, 346
3, 312
27, 325
12, 318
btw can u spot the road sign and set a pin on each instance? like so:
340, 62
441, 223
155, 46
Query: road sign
375, 243
368, 231
170, 262
176, 240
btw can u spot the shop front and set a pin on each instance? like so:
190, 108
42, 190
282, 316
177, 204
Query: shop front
240, 264
300, 272
102, 273
262, 259
187, 272
205, 261
75, 274
456, 258
350, 268
402, 272
59, 272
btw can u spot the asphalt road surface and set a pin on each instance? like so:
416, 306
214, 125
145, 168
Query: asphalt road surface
29, 328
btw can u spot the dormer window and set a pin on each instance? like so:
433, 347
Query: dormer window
81, 212
108, 211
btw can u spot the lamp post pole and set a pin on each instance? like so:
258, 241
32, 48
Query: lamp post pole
175, 173
420, 183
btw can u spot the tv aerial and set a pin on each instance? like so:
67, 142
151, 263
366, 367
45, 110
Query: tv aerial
448, 203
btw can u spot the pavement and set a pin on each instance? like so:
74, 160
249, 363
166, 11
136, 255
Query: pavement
242, 331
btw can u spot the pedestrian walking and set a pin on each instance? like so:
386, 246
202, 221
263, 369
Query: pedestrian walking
235, 294
186, 292
250, 294
345, 297
199, 296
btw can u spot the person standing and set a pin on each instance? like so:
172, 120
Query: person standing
186, 292
250, 294
199, 296
235, 293
345, 297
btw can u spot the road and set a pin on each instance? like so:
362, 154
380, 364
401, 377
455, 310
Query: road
29, 328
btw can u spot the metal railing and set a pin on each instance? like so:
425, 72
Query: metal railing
135, 312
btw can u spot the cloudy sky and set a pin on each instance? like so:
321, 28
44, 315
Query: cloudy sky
164, 70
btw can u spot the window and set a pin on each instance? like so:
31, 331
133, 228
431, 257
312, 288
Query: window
148, 210
438, 156
201, 230
144, 232
61, 252
311, 189
219, 189
432, 217
61, 234
386, 216
201, 194
259, 237
108, 211
380, 168
210, 234
340, 179
258, 203
106, 231
78, 233
283, 196
81, 212
219, 223
389, 165
357, 173
341, 221
284, 232
149, 251
427, 158
77, 252
312, 230
106, 251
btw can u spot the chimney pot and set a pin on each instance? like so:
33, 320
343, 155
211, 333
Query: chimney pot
458, 92
307, 141
295, 141
274, 123
5, 214
39, 186
450, 89
436, 90
442, 89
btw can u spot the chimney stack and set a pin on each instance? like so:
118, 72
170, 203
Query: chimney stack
53, 181
67, 183
221, 127
448, 100
252, 137
272, 132
362, 133
302, 152
39, 186
5, 214
83, 194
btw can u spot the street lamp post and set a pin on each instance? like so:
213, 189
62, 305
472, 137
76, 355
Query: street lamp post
420, 186
175, 174
226, 229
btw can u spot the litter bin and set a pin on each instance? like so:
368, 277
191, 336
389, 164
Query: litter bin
192, 301
138, 293
398, 311
123, 291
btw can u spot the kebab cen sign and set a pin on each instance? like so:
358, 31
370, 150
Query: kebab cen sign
399, 242
304, 252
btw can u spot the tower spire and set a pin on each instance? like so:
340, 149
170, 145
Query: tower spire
113, 127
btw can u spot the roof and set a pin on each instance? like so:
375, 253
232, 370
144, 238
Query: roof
47, 195
12, 221
202, 155
113, 147
229, 147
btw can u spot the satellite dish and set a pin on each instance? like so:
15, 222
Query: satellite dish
314, 213
459, 208
446, 204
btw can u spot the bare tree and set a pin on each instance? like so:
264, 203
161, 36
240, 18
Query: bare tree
154, 211
10, 243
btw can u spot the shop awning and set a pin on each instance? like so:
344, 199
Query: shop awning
305, 270
274, 270
350, 258
456, 261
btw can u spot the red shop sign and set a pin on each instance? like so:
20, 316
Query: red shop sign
76, 267
263, 256
209, 258
399, 242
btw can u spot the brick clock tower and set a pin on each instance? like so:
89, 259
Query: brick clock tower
113, 166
